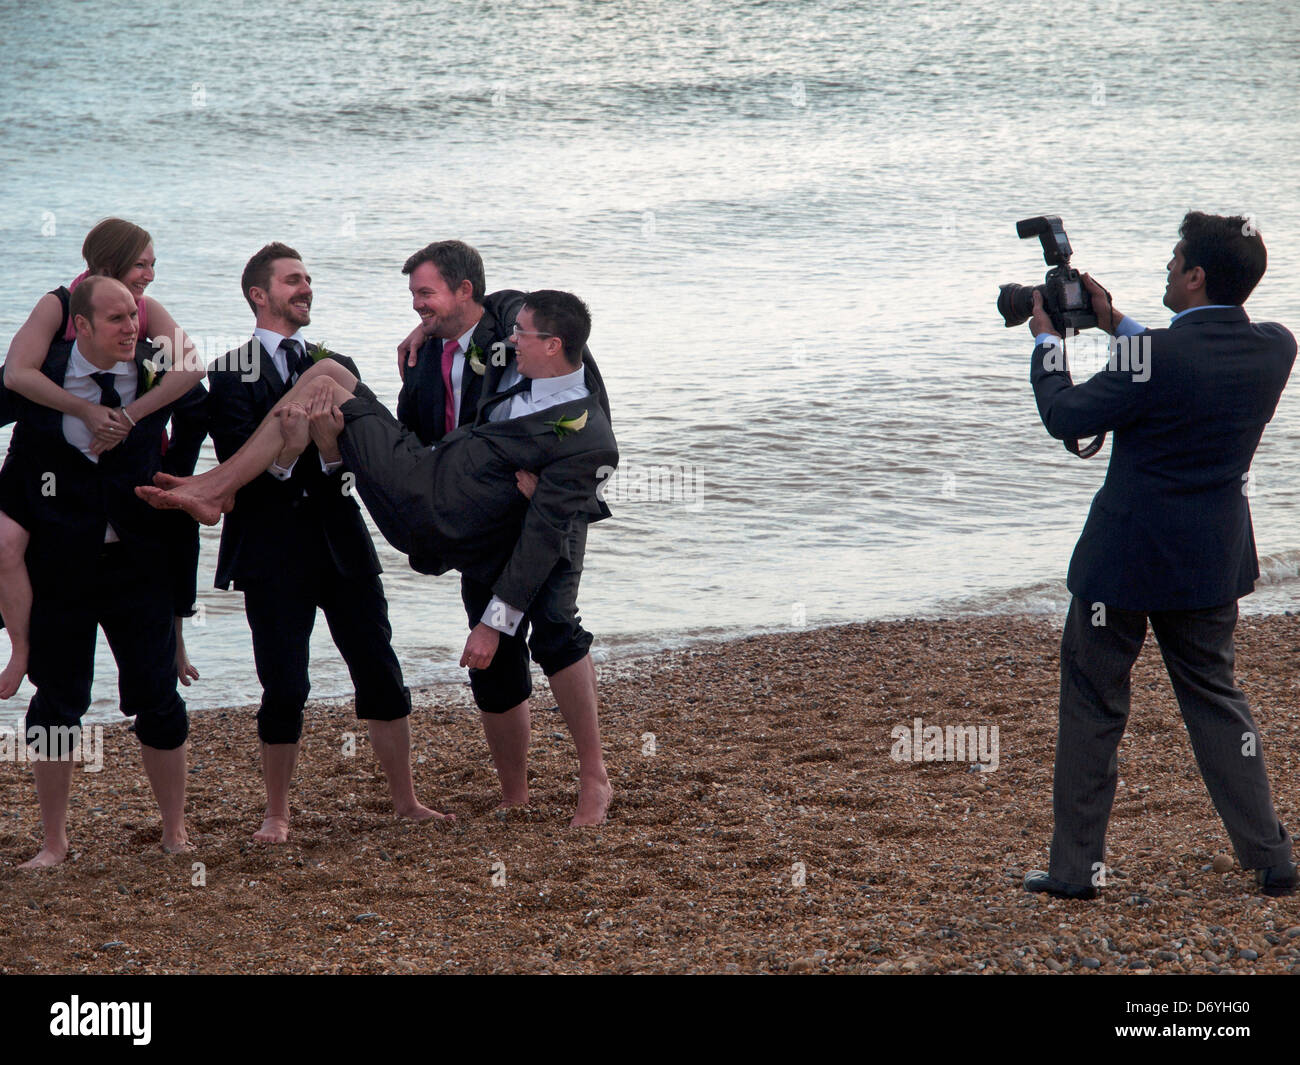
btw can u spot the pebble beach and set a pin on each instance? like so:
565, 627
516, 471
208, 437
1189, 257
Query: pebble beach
766, 819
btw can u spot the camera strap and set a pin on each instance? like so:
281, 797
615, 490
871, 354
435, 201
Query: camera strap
1088, 450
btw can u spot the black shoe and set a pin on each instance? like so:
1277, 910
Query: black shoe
1277, 879
1037, 880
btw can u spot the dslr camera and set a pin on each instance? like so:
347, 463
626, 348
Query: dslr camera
1065, 299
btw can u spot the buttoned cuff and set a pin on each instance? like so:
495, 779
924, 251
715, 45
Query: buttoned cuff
279, 472
501, 616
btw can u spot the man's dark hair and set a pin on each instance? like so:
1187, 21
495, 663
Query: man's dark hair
257, 274
82, 300
563, 315
456, 261
1229, 250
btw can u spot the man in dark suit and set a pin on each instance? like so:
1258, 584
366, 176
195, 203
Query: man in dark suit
466, 354
294, 542
458, 504
1168, 538
98, 557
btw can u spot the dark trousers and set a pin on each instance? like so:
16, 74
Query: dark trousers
281, 616
131, 598
557, 638
1198, 651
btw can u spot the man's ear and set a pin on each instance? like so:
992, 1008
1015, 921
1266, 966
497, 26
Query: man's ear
80, 322
1196, 278
254, 292
465, 291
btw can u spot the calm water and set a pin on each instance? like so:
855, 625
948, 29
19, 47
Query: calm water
789, 218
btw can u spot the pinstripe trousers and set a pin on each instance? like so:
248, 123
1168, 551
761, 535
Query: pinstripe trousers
1197, 647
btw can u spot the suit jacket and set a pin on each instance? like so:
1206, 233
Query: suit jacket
421, 404
458, 505
279, 529
1170, 528
68, 499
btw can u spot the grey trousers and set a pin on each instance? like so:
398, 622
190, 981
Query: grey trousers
1198, 651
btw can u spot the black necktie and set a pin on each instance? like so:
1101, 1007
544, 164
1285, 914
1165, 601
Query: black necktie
296, 361
107, 392
525, 385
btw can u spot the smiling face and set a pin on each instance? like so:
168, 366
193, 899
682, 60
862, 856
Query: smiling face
109, 334
535, 356
284, 306
140, 273
445, 313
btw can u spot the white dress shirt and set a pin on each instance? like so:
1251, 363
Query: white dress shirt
271, 341
457, 366
78, 381
545, 392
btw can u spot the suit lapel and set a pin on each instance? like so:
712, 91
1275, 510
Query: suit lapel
472, 383
268, 372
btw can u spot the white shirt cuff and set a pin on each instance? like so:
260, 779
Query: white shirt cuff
1050, 339
329, 467
280, 473
501, 616
1128, 327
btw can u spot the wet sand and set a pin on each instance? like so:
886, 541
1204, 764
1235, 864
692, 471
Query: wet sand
759, 825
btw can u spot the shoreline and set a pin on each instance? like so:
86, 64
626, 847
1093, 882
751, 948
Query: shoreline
759, 824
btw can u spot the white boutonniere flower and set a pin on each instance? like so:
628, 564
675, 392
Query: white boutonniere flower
564, 426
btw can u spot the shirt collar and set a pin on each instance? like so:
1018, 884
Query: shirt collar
549, 386
464, 340
80, 366
1203, 307
270, 339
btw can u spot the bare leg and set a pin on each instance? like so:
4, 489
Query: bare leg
574, 688
507, 738
166, 773
15, 602
207, 496
392, 743
278, 760
53, 785
185, 671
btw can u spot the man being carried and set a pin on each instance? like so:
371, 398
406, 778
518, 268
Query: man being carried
458, 505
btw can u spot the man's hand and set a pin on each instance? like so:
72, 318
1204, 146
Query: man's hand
526, 482
325, 423
481, 647
1107, 316
108, 427
408, 349
294, 432
1039, 322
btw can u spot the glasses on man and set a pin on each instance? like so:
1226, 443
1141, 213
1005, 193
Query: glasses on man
517, 332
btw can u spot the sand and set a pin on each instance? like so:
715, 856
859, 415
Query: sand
759, 825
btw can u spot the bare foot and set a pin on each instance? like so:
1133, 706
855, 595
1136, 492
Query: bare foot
506, 804
274, 830
419, 813
185, 493
593, 802
183, 846
13, 675
48, 857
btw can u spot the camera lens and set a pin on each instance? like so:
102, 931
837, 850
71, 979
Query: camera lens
1015, 303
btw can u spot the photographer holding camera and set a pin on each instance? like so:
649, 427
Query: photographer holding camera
1168, 538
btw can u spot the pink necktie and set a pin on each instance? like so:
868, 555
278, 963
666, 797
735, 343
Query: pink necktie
449, 349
